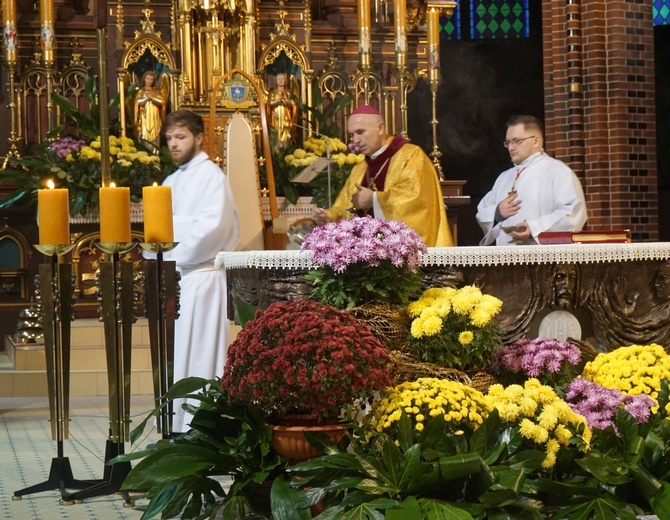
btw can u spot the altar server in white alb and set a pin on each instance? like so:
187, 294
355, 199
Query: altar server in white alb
205, 223
537, 194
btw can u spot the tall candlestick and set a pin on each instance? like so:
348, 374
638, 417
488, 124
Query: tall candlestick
47, 29
53, 216
114, 214
9, 29
157, 205
400, 21
433, 47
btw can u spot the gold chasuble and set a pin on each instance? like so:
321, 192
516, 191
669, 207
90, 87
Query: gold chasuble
411, 193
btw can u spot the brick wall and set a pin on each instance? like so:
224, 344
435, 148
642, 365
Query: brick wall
600, 109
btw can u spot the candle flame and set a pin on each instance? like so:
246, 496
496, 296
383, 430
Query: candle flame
155, 184
112, 185
50, 184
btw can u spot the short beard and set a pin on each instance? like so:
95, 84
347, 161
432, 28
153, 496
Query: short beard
191, 153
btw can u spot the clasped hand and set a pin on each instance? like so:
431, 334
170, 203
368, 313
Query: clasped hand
362, 199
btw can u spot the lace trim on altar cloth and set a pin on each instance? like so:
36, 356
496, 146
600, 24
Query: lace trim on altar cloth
264, 260
470, 256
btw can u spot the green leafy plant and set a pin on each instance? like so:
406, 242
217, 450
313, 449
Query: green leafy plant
362, 259
420, 475
227, 438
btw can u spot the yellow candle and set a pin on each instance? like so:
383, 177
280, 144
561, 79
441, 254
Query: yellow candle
53, 216
157, 205
47, 29
433, 48
400, 22
363, 25
114, 214
9, 29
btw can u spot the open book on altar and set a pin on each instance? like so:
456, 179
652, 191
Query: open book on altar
311, 171
584, 237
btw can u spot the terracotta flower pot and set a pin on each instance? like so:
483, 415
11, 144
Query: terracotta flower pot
290, 441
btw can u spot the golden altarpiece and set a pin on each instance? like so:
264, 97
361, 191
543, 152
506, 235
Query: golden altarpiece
361, 47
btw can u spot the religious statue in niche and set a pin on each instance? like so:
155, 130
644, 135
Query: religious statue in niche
151, 102
282, 108
416, 13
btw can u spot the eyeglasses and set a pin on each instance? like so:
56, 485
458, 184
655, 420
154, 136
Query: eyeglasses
516, 142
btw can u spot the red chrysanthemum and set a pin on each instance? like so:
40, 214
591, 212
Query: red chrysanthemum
303, 355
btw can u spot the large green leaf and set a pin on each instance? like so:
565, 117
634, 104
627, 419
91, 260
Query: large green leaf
660, 502
606, 469
438, 510
597, 509
168, 464
162, 498
405, 432
408, 508
369, 510
284, 500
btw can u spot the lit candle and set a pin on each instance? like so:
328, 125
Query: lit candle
400, 21
157, 205
114, 214
9, 29
53, 216
433, 48
364, 26
47, 29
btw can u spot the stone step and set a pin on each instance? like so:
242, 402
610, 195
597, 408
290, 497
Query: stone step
23, 367
29, 383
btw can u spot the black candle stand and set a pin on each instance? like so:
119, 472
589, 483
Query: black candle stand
161, 307
55, 295
116, 296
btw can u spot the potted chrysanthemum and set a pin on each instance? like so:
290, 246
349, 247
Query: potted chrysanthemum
363, 259
455, 328
302, 357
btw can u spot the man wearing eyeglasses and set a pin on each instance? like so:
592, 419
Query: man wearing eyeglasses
537, 194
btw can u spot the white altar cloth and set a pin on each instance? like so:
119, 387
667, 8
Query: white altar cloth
470, 256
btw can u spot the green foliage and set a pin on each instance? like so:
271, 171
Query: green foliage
226, 438
426, 475
357, 286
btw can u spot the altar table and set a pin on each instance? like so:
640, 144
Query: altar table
606, 295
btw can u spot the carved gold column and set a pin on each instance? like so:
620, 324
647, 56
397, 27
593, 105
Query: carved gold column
248, 43
47, 36
400, 24
433, 12
10, 38
186, 31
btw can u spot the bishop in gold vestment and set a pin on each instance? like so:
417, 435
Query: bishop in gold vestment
397, 181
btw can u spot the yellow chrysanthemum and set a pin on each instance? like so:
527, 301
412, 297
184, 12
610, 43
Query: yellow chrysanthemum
466, 337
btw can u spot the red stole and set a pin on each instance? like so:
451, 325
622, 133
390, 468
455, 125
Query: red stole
379, 166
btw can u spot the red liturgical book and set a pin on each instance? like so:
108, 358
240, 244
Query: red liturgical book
584, 237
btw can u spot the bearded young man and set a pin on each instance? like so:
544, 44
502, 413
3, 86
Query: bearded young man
397, 181
205, 223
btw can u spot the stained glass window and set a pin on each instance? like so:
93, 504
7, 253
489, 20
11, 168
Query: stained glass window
450, 28
498, 19
661, 12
